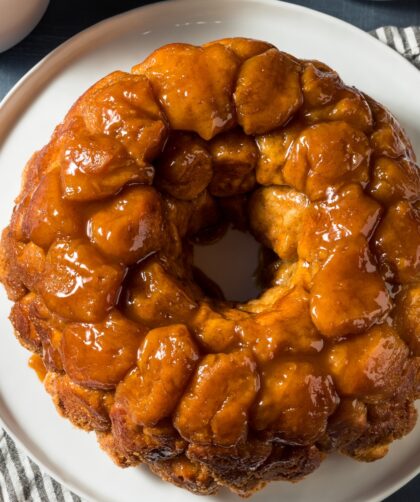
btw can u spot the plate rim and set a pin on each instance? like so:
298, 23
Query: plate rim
63, 55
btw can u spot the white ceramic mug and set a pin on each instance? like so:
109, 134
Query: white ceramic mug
17, 19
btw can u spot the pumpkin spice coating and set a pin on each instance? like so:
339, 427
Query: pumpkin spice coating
136, 344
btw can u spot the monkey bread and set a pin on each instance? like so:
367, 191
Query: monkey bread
140, 347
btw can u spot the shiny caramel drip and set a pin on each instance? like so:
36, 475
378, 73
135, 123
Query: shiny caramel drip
37, 364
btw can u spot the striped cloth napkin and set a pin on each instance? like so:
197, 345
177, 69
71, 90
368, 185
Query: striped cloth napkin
404, 40
21, 480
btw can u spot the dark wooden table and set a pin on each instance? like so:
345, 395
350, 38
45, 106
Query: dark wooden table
66, 18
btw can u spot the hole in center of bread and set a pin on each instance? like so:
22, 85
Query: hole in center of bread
231, 263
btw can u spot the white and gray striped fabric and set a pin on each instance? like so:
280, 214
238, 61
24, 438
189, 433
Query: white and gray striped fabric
404, 40
21, 480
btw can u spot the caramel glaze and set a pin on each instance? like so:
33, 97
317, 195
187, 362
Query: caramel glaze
140, 346
37, 364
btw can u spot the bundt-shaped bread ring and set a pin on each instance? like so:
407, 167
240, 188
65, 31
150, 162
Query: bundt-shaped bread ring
140, 347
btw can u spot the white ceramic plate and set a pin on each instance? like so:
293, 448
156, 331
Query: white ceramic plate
27, 118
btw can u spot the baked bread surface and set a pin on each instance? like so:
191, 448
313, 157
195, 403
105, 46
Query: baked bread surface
140, 347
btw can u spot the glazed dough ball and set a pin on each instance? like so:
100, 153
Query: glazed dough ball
130, 226
267, 92
276, 216
370, 365
295, 401
78, 283
335, 309
328, 154
194, 86
204, 416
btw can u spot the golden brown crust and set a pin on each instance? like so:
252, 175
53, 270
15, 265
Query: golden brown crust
142, 348
86, 408
25, 330
107, 442
184, 473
